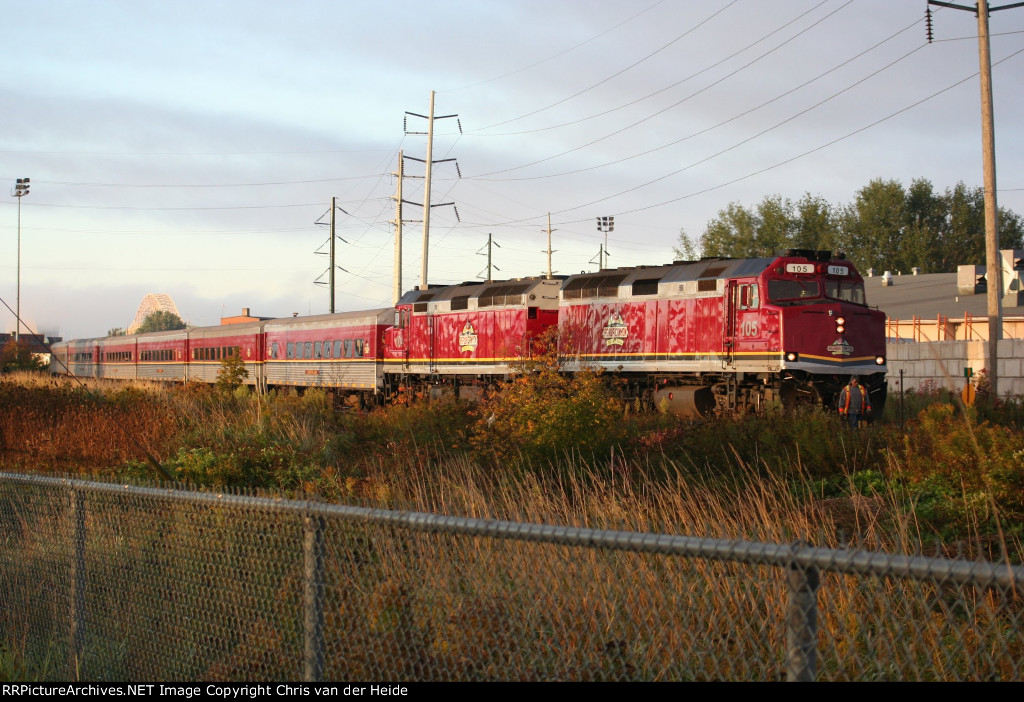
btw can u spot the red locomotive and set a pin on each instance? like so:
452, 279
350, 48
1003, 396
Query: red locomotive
726, 334
710, 336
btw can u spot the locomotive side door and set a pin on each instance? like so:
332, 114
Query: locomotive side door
431, 345
748, 328
730, 303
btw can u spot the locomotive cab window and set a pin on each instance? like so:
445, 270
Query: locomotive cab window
845, 291
749, 298
793, 291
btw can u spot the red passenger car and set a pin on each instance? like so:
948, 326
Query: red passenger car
208, 346
329, 350
163, 355
116, 357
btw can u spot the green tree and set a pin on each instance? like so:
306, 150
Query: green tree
732, 233
116, 331
775, 225
875, 224
687, 249
232, 373
160, 321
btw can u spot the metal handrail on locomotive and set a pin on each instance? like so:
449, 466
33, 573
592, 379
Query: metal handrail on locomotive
699, 337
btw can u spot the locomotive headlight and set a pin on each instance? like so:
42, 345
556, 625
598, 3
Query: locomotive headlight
840, 325
791, 357
840, 320
880, 360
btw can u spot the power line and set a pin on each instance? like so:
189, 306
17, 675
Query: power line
686, 79
554, 56
616, 74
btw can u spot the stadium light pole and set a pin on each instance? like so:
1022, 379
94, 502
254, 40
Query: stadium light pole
20, 190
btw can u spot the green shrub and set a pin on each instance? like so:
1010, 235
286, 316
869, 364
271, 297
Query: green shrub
542, 413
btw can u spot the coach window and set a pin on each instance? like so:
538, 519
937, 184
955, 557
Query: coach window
290, 350
308, 350
337, 348
318, 349
348, 348
360, 344
327, 348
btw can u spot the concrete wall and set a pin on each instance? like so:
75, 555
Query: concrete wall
943, 362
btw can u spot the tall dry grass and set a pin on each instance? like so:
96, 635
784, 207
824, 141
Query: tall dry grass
405, 606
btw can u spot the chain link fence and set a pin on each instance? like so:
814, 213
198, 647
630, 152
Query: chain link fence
130, 583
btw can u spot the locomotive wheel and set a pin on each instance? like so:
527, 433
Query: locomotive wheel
794, 394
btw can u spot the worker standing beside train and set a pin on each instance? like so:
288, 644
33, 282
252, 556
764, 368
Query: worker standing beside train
853, 402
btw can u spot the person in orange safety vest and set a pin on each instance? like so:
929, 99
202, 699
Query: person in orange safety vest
854, 402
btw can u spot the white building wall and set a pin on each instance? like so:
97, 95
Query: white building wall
942, 363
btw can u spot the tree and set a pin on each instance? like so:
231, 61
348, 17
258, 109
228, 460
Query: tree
687, 249
116, 331
775, 225
17, 355
160, 321
816, 226
732, 233
886, 227
232, 373
875, 222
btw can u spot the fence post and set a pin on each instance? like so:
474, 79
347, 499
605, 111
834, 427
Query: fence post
77, 576
802, 623
313, 597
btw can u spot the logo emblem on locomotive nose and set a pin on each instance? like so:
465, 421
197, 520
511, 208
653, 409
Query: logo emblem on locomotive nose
839, 347
615, 332
468, 339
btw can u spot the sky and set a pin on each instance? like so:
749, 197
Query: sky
193, 148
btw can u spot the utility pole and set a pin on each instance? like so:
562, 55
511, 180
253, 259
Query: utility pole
993, 265
396, 293
490, 243
330, 253
330, 279
549, 251
426, 182
426, 192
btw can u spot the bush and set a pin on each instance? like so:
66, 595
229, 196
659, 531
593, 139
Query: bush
232, 374
543, 413
970, 473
